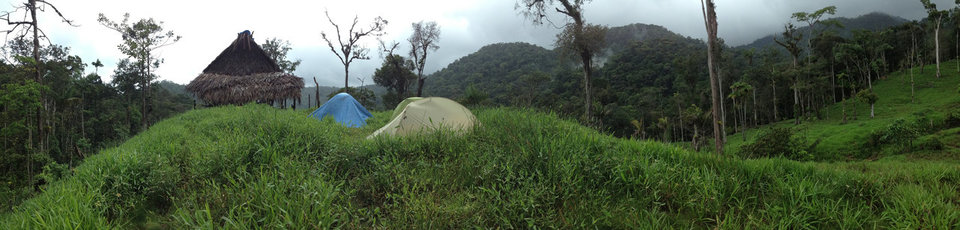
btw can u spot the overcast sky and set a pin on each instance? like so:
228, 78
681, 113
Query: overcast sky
208, 26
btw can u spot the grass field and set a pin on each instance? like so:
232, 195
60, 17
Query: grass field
257, 167
935, 99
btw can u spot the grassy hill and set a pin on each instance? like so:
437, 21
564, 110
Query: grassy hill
937, 100
259, 167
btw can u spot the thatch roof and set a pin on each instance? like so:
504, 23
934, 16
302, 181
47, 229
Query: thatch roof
243, 73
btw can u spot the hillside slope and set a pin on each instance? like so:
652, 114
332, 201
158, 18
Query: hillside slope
871, 21
937, 100
259, 167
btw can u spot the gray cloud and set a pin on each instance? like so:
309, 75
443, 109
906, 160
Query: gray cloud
209, 26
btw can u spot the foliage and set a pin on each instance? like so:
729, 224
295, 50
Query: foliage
474, 96
395, 75
83, 114
277, 50
900, 133
777, 142
140, 40
867, 96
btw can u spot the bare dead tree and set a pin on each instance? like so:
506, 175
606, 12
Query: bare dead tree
425, 37
350, 49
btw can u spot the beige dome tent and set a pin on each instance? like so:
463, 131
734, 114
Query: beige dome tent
427, 115
403, 104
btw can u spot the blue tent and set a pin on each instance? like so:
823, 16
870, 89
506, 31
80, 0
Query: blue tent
344, 109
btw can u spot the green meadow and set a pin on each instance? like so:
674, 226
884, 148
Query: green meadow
255, 167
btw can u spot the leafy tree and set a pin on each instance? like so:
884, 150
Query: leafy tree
790, 41
140, 39
579, 37
350, 49
32, 27
869, 97
97, 64
394, 75
695, 116
425, 37
935, 16
824, 48
277, 50
739, 90
813, 20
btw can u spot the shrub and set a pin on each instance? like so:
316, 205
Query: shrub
474, 96
900, 133
952, 120
776, 142
932, 143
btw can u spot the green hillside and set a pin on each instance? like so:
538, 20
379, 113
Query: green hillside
259, 167
873, 21
936, 113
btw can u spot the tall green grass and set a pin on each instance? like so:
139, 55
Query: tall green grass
256, 167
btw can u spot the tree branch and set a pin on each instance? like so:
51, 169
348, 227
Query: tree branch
339, 40
69, 22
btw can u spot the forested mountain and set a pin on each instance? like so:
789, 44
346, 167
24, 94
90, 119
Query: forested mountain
497, 70
643, 67
623, 37
527, 66
872, 21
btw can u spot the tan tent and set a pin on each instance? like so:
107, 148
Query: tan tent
428, 115
403, 104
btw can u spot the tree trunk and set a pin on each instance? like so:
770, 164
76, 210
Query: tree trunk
145, 87
936, 39
871, 110
736, 117
913, 98
833, 82
796, 94
723, 108
843, 107
317, 91
588, 100
776, 117
680, 116
756, 118
420, 82
346, 76
32, 7
710, 18
743, 122
853, 93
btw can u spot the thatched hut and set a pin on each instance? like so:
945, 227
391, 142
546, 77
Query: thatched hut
244, 73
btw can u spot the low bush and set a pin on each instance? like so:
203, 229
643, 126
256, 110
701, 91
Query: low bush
777, 142
932, 144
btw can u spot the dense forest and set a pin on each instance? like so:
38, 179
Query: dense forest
81, 113
653, 84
